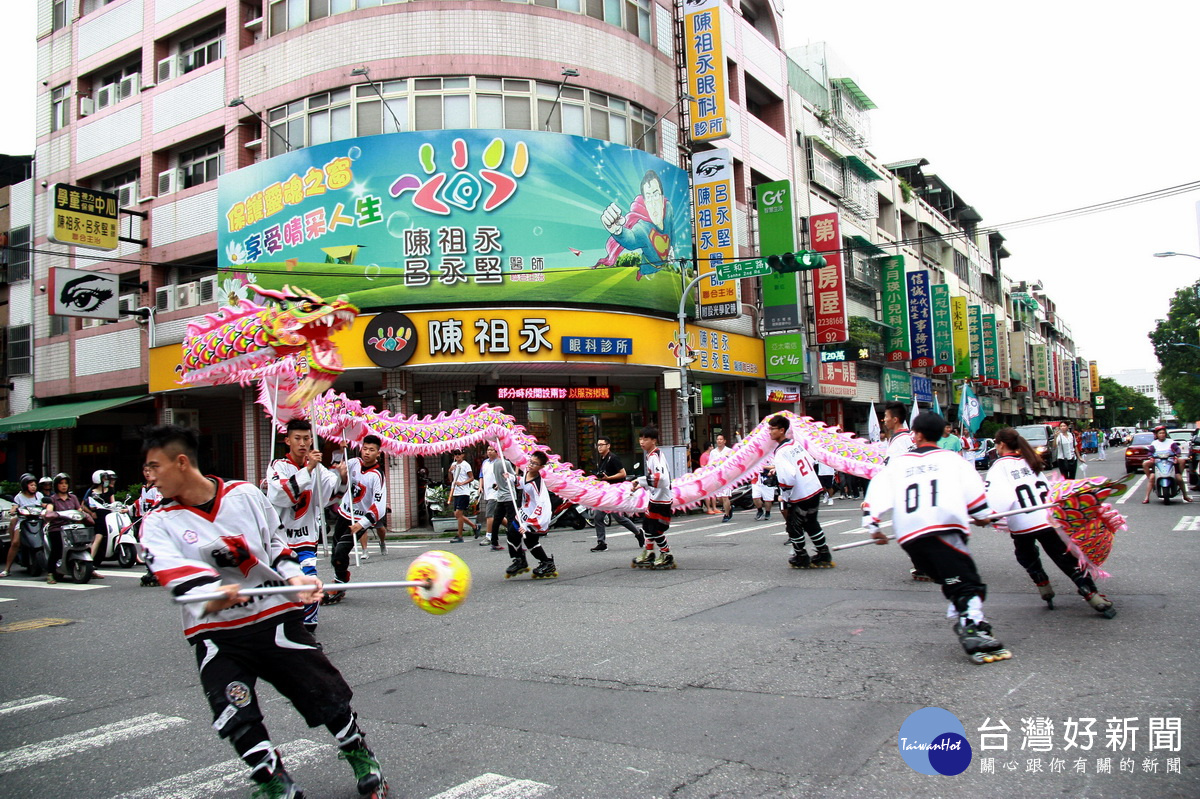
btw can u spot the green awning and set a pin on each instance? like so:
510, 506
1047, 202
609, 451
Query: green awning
862, 169
57, 417
851, 88
866, 245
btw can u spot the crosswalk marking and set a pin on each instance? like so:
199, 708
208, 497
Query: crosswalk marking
495, 786
1132, 490
1188, 524
209, 781
32, 754
43, 584
29, 703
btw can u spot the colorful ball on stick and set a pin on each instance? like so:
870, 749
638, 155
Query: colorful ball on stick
449, 578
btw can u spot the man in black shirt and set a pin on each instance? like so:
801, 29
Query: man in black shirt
611, 470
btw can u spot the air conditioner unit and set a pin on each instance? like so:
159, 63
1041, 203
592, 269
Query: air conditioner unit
164, 299
127, 304
696, 402
87, 106
170, 181
208, 290
187, 295
127, 195
183, 417
104, 96
165, 70
128, 86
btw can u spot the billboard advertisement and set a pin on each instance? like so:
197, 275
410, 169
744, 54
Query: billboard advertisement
461, 217
780, 292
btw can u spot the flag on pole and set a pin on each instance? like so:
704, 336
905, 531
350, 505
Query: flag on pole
873, 424
912, 417
936, 407
970, 411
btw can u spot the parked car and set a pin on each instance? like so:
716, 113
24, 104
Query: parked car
987, 454
1137, 451
1183, 437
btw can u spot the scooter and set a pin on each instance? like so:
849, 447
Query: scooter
742, 497
34, 554
121, 542
1165, 487
77, 547
565, 513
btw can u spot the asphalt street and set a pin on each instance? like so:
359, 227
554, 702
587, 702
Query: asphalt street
731, 676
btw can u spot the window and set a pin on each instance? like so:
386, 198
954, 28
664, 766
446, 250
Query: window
58, 15
201, 164
91, 5
18, 255
124, 185
203, 48
114, 85
20, 350
60, 325
826, 169
58, 108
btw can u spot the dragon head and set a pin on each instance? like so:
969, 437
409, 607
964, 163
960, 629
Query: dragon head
302, 326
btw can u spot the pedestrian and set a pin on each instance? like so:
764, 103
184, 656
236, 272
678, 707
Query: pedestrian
1102, 445
933, 495
504, 474
724, 494
299, 487
710, 503
950, 441
362, 506
147, 500
826, 474
609, 469
487, 479
764, 490
1066, 450
1014, 481
533, 519
900, 441
800, 489
459, 476
210, 535
657, 518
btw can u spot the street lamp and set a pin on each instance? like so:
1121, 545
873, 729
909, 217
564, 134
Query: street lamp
1173, 254
567, 73
236, 101
365, 72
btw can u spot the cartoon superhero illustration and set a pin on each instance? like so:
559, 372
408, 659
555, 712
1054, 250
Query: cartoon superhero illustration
643, 229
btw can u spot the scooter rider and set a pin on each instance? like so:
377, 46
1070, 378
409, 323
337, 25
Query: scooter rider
1161, 445
26, 497
61, 500
96, 498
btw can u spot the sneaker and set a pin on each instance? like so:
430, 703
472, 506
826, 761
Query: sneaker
280, 786
364, 557
758, 517
366, 769
767, 517
497, 549
600, 547
3, 574
485, 542
727, 518
456, 540
382, 547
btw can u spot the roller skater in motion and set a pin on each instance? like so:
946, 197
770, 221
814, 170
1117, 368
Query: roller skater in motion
533, 516
363, 505
1016, 481
657, 481
933, 494
900, 441
800, 490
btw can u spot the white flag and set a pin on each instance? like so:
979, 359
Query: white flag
873, 425
912, 417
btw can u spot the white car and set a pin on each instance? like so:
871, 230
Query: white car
1183, 437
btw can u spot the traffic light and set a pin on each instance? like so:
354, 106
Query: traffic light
802, 261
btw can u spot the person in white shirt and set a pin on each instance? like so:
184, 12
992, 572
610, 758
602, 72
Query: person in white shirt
800, 490
1066, 450
1161, 445
460, 476
657, 481
1015, 481
487, 475
533, 519
933, 496
723, 494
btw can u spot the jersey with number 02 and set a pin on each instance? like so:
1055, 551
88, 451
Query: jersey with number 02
797, 473
1011, 484
928, 490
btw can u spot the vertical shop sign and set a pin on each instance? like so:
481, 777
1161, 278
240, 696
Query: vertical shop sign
919, 318
961, 332
1094, 373
895, 309
829, 282
991, 359
1019, 362
975, 330
781, 297
712, 184
1002, 354
706, 71
943, 336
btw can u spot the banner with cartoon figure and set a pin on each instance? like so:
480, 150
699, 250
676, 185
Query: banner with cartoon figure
460, 217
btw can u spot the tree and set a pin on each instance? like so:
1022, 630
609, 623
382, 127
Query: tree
1123, 406
1179, 375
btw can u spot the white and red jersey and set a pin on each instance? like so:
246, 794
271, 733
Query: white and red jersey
797, 473
900, 443
535, 510
238, 541
928, 490
147, 499
365, 501
657, 479
299, 497
1012, 484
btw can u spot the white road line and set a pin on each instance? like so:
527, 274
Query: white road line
29, 703
132, 575
862, 530
43, 584
7, 599
1187, 524
207, 782
45, 751
495, 786
824, 524
1132, 490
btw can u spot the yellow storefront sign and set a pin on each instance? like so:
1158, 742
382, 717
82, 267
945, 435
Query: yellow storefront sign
83, 217
707, 79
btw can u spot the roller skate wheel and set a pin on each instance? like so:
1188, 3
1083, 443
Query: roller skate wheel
1111, 613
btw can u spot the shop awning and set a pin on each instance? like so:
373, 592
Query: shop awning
866, 245
851, 88
57, 417
862, 168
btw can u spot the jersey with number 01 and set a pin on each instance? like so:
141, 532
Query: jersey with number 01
1011, 484
928, 490
797, 473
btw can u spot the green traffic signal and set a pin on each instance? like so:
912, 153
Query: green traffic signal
802, 261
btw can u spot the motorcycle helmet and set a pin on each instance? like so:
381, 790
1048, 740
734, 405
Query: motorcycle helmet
58, 478
97, 477
47, 483
26, 479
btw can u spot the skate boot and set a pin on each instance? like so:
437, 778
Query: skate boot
149, 580
1100, 602
333, 597
977, 641
279, 786
799, 560
545, 570
518, 566
1044, 588
665, 560
822, 560
367, 770
920, 576
644, 560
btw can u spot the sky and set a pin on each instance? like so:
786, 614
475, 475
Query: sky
1023, 108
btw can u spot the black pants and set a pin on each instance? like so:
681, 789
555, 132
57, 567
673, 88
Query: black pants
1068, 466
944, 558
502, 519
282, 653
532, 541
655, 523
343, 544
1025, 546
801, 519
54, 535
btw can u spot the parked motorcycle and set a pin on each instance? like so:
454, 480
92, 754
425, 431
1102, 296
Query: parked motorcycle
121, 542
77, 547
566, 514
34, 554
742, 497
1165, 487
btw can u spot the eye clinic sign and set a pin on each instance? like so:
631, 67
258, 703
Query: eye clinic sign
84, 294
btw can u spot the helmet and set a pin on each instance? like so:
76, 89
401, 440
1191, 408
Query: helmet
62, 476
1160, 427
45, 481
98, 476
25, 478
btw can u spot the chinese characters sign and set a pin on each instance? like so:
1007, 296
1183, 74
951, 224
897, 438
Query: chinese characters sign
829, 282
920, 318
895, 309
706, 72
712, 181
838, 379
402, 220
1041, 371
991, 359
1094, 373
897, 386
83, 217
569, 393
943, 336
961, 333
975, 331
781, 299
596, 345
784, 354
